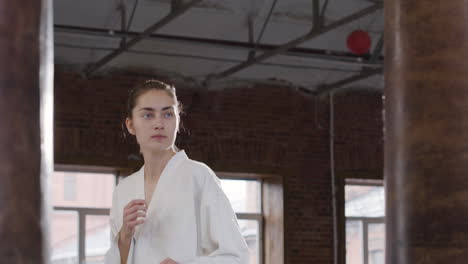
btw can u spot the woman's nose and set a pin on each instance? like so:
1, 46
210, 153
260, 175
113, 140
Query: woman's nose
158, 123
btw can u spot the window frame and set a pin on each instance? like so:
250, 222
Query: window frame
82, 212
259, 216
365, 221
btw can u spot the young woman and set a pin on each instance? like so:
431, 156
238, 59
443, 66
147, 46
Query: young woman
173, 209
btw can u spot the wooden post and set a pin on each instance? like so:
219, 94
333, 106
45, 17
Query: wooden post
426, 131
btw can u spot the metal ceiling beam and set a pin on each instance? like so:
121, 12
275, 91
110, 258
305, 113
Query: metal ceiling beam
201, 57
165, 20
322, 12
130, 21
338, 84
377, 50
250, 23
334, 56
293, 43
126, 25
316, 13
123, 20
265, 23
176, 4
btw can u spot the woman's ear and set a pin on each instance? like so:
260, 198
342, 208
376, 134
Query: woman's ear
129, 125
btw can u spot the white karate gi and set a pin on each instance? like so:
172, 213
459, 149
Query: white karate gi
189, 218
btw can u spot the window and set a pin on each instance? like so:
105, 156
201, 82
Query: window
365, 228
245, 197
80, 223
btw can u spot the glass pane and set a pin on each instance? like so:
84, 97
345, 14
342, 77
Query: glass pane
376, 240
354, 242
64, 237
364, 201
244, 195
78, 189
97, 238
249, 230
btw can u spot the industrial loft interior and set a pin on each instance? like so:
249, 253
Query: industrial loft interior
234, 132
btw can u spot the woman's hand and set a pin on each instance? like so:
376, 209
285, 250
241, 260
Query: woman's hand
132, 214
168, 261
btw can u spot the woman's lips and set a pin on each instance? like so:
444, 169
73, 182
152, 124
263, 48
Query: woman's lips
158, 137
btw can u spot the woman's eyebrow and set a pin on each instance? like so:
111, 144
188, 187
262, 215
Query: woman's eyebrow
166, 108
146, 109
152, 109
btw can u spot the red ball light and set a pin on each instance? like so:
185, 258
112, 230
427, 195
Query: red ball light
359, 42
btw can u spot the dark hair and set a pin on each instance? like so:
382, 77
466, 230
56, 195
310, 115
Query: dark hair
146, 86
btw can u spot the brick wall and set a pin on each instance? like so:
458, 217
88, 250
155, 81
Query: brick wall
259, 128
359, 134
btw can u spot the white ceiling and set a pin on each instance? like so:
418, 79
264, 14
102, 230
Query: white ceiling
321, 60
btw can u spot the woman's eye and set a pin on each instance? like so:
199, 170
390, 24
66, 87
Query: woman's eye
147, 115
168, 115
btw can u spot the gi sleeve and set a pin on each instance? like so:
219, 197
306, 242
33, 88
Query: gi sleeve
221, 239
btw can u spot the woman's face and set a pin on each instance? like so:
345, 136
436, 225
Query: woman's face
155, 121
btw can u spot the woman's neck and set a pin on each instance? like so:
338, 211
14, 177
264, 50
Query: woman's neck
155, 163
